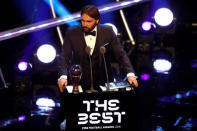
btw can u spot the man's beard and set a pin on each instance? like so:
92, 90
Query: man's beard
86, 29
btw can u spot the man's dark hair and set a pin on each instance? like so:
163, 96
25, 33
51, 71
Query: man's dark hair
92, 11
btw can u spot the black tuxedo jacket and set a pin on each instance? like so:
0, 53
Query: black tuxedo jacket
74, 53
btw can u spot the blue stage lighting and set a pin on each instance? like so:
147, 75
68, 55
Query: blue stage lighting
59, 21
194, 64
159, 128
61, 10
163, 16
46, 53
178, 96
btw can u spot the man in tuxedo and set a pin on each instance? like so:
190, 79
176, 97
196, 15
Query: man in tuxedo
95, 36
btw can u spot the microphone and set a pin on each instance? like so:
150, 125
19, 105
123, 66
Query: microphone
88, 50
103, 50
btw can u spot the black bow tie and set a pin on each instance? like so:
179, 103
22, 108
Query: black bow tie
93, 33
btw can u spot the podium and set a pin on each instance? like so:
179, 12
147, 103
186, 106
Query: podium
110, 111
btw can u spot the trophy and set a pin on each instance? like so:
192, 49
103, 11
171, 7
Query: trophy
76, 73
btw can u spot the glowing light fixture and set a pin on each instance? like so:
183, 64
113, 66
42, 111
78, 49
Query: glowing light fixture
62, 11
46, 102
46, 53
22, 65
146, 25
163, 17
22, 118
162, 65
145, 76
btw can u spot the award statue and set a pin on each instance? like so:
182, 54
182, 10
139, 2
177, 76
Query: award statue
76, 73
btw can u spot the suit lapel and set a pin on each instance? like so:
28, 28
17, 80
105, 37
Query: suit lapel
98, 43
81, 38
99, 37
81, 45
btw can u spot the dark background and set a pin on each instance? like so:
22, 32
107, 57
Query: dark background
181, 39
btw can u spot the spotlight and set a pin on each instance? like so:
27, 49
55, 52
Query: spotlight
46, 102
46, 53
43, 107
62, 11
113, 27
162, 66
22, 65
178, 96
146, 26
145, 76
22, 118
163, 17
162, 59
146, 32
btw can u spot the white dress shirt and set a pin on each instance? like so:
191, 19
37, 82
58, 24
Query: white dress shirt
91, 40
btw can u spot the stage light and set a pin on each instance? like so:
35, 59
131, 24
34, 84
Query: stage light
178, 96
146, 33
146, 25
159, 128
22, 65
162, 65
113, 27
59, 21
163, 17
46, 53
62, 11
44, 99
45, 102
5, 123
145, 76
22, 118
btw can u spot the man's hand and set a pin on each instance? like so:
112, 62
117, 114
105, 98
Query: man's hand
61, 83
132, 80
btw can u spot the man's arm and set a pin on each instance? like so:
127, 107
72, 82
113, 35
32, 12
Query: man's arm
64, 61
123, 59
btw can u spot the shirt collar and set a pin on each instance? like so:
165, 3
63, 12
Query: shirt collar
95, 28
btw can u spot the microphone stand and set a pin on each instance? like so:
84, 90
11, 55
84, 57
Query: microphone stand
103, 50
91, 90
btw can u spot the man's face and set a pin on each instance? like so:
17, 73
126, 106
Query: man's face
88, 23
